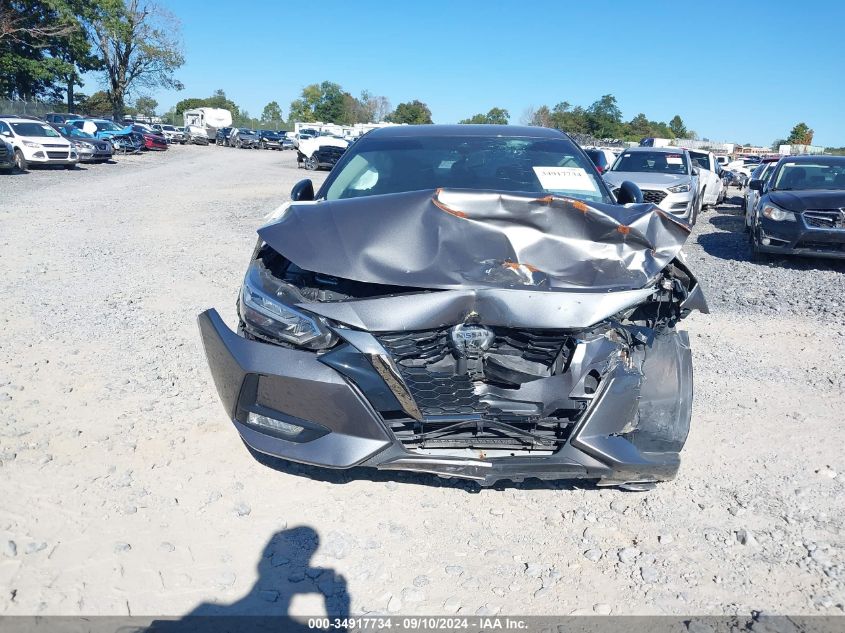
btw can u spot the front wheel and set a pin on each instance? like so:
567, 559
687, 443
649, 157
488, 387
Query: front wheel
311, 163
20, 161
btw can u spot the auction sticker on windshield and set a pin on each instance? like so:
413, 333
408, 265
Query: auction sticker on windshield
565, 179
674, 159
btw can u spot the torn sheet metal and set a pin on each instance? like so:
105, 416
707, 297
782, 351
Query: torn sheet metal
457, 239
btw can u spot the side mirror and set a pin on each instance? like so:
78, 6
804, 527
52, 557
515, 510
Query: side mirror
695, 170
756, 185
6, 133
302, 191
629, 193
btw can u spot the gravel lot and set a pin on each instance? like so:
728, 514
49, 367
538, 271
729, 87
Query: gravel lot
125, 490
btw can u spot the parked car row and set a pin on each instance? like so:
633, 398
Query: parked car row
247, 138
66, 139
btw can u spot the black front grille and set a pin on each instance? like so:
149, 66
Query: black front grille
103, 147
452, 394
825, 219
54, 145
3, 150
330, 154
653, 195
56, 154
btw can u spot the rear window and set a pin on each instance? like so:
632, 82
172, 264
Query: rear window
597, 157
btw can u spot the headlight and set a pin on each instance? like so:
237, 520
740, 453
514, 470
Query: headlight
680, 188
266, 309
31, 144
85, 144
777, 214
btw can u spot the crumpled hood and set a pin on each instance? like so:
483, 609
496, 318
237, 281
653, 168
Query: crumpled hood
802, 200
458, 239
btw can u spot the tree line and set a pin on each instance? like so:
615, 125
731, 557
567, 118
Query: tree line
47, 45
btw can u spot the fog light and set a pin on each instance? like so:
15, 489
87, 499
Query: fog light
766, 241
285, 428
38, 155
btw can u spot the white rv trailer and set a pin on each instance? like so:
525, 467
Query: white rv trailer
210, 119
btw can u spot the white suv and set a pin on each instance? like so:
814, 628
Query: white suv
37, 142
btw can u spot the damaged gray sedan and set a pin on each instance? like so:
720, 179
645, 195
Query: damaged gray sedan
468, 301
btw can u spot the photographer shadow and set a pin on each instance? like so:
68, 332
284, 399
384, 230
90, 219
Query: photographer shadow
284, 571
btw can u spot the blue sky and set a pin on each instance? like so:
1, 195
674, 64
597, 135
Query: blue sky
735, 71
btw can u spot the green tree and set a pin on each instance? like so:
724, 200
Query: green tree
272, 114
146, 106
139, 46
801, 134
98, 104
413, 112
604, 117
677, 126
496, 116
39, 41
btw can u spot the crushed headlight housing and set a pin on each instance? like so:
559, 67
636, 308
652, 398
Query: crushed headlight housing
266, 309
680, 188
777, 214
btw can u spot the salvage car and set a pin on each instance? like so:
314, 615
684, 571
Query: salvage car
801, 209
469, 301
196, 135
170, 133
666, 175
712, 190
7, 156
752, 196
320, 151
243, 138
268, 139
602, 158
89, 148
36, 142
152, 139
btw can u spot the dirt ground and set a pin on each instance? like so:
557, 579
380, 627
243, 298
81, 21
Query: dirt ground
125, 490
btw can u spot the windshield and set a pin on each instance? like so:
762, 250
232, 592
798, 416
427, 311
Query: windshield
518, 164
656, 162
76, 132
246, 130
34, 129
804, 176
107, 126
169, 128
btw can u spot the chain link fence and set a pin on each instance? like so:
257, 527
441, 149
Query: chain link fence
30, 108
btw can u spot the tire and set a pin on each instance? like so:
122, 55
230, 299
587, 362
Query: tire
263, 145
311, 163
20, 161
756, 254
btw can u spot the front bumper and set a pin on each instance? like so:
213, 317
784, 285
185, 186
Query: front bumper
679, 204
50, 156
626, 435
798, 238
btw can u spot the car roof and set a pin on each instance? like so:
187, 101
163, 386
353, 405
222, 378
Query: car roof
14, 118
810, 158
507, 131
665, 150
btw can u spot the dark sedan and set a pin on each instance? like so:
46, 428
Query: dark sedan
267, 139
802, 208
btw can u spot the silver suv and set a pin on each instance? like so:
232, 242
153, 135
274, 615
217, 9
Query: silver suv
666, 176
